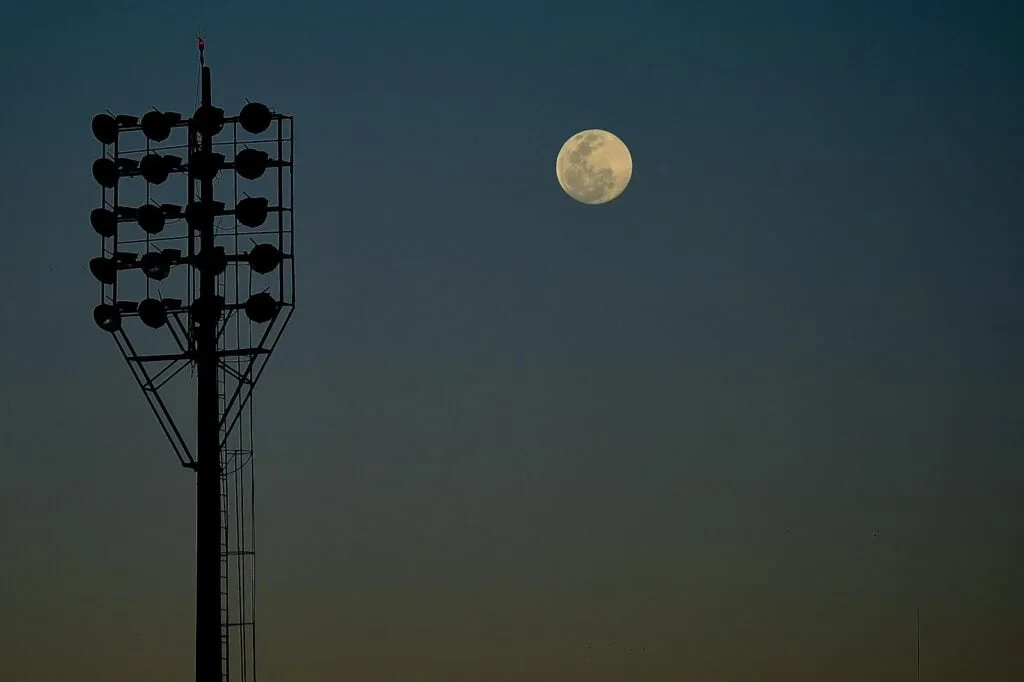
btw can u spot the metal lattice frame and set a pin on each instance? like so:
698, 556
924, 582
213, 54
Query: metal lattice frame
244, 355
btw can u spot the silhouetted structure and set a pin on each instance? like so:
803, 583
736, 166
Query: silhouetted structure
234, 305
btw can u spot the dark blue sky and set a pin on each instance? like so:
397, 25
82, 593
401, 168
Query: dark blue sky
504, 425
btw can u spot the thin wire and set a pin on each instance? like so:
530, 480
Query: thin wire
242, 573
918, 644
240, 557
252, 535
252, 494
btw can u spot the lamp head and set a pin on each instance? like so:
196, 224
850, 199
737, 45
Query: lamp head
255, 117
155, 265
208, 120
104, 269
252, 211
152, 313
261, 308
264, 258
199, 215
105, 172
156, 168
214, 262
156, 125
150, 218
251, 163
205, 165
207, 308
104, 128
104, 221
107, 317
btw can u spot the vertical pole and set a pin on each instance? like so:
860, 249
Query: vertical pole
208, 512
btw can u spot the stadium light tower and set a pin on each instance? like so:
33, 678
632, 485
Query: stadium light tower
231, 306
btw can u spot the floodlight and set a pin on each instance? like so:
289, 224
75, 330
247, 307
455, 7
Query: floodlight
104, 221
155, 168
150, 218
208, 120
105, 172
156, 264
199, 215
197, 320
261, 308
205, 165
214, 262
104, 269
108, 171
255, 117
107, 317
264, 258
251, 163
104, 128
252, 211
202, 306
152, 313
156, 125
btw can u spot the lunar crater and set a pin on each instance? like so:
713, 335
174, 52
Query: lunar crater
594, 167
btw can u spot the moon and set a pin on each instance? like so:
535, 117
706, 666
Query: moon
594, 166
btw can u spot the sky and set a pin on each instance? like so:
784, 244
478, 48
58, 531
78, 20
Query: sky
735, 425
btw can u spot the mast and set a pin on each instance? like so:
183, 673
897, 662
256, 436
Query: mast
210, 625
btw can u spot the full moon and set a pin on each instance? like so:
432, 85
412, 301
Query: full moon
594, 166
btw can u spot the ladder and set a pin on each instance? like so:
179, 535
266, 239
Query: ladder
236, 614
225, 644
225, 537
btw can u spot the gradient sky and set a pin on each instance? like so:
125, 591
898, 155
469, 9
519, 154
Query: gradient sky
504, 426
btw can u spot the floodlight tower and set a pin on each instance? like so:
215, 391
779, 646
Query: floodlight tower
231, 309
